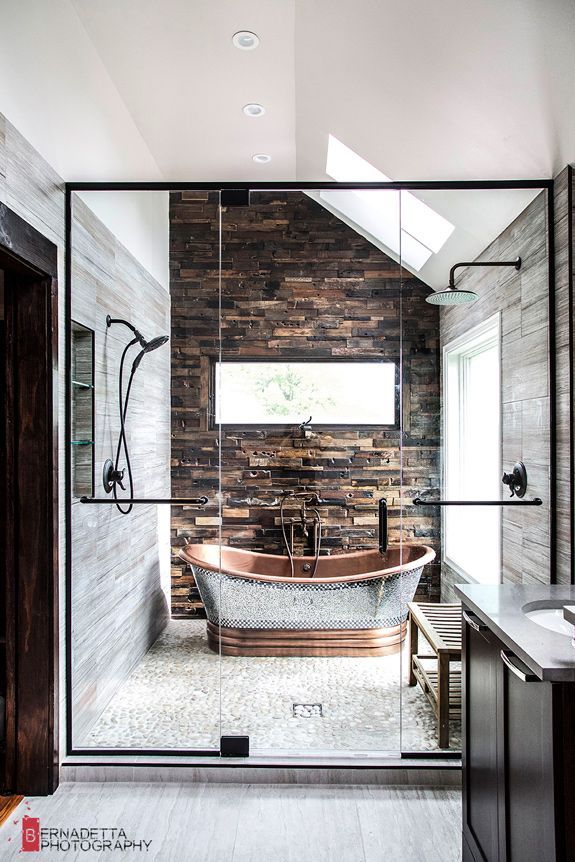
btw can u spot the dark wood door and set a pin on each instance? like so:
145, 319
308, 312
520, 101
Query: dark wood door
3, 680
528, 803
480, 670
29, 761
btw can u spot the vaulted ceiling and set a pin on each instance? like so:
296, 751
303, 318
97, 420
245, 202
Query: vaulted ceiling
141, 89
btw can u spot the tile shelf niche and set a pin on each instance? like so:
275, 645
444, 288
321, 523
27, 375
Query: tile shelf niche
82, 409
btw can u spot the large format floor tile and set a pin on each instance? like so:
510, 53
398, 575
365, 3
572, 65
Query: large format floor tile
247, 823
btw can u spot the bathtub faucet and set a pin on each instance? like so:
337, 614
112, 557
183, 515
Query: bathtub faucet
307, 499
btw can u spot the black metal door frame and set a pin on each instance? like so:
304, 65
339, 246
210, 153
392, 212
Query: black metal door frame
243, 188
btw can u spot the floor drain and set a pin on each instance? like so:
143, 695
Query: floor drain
307, 710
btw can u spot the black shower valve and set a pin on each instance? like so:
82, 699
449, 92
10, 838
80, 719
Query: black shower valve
111, 477
517, 480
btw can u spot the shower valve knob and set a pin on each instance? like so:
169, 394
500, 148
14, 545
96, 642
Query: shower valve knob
517, 480
111, 477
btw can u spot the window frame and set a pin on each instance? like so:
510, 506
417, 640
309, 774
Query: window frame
470, 343
270, 426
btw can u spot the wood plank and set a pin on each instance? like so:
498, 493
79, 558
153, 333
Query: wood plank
8, 804
436, 624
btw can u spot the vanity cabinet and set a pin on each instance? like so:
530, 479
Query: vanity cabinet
518, 755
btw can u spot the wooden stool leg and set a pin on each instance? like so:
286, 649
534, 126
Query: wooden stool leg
413, 645
443, 700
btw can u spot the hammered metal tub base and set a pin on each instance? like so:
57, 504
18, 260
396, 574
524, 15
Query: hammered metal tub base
310, 642
355, 606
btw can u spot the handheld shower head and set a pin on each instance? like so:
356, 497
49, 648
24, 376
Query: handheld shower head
155, 342
112, 474
147, 347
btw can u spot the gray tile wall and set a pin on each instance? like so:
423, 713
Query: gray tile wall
122, 554
30, 187
120, 563
563, 220
522, 300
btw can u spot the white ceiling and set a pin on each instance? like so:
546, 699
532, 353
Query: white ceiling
150, 89
185, 84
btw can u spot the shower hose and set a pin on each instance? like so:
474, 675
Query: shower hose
122, 442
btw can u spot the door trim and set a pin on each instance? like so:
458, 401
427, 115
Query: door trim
29, 260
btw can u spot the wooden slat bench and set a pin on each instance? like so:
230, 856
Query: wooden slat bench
440, 625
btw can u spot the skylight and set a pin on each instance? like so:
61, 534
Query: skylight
423, 231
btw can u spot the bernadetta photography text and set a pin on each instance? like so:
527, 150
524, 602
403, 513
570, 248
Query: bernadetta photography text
90, 839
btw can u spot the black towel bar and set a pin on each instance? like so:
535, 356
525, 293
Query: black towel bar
128, 501
536, 501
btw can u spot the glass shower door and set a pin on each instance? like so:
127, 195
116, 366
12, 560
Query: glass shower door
476, 403
307, 402
141, 676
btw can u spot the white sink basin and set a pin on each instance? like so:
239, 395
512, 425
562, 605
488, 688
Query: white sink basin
552, 619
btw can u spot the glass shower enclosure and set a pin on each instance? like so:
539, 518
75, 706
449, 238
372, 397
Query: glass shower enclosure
304, 451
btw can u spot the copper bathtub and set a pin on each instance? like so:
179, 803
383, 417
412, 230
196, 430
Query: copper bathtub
355, 605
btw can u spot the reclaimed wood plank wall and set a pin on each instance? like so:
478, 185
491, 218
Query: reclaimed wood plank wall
296, 283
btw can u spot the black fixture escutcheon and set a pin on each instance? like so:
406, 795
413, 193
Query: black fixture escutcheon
517, 480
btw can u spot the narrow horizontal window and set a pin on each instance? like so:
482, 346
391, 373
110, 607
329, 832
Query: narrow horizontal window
288, 393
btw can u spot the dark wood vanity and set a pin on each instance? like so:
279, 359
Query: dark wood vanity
518, 732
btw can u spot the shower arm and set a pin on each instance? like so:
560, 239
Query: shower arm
516, 263
137, 333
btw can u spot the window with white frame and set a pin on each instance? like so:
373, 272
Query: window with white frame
472, 451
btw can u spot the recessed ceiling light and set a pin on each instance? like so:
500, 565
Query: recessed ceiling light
245, 40
261, 158
254, 110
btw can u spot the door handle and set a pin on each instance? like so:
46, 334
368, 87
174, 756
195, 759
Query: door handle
474, 622
525, 676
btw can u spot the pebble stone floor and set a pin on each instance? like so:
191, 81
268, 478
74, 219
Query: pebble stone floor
172, 700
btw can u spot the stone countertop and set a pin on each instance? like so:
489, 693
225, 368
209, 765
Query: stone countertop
548, 654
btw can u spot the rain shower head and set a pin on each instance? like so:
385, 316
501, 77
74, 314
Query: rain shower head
453, 295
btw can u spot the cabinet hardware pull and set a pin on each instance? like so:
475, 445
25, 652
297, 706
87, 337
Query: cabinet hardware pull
474, 623
525, 676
